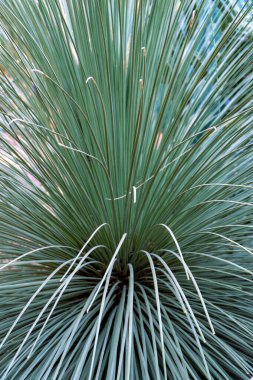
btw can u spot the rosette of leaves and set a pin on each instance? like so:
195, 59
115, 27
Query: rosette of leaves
126, 190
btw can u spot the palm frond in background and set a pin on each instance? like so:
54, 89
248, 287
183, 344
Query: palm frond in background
126, 190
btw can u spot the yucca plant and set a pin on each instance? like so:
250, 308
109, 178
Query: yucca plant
126, 190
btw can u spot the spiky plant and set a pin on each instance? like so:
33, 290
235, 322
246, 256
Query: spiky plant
126, 190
